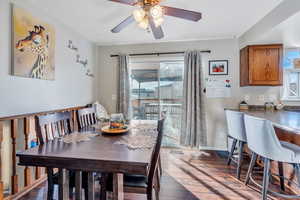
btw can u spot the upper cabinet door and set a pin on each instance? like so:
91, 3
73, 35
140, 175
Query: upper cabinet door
264, 66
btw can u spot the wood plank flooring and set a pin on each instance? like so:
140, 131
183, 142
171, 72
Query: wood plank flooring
189, 176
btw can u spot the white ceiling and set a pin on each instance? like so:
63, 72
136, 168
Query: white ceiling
95, 18
288, 33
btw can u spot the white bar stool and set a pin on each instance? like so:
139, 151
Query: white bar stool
236, 131
263, 142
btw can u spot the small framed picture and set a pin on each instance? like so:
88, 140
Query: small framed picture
218, 67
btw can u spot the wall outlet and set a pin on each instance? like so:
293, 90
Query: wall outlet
261, 98
247, 97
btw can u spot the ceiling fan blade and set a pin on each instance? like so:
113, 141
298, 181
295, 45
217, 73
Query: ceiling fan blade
157, 31
123, 24
181, 13
128, 2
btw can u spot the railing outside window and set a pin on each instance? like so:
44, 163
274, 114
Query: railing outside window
157, 90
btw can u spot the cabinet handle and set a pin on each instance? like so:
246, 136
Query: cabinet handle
267, 71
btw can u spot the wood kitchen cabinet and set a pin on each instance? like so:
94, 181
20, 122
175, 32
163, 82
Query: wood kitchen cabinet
261, 65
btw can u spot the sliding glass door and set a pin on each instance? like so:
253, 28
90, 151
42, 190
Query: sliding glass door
156, 91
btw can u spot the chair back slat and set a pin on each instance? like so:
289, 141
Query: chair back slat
84, 123
155, 153
79, 121
60, 128
64, 127
87, 117
94, 117
49, 127
55, 130
43, 132
89, 120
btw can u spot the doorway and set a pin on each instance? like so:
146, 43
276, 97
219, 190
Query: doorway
157, 91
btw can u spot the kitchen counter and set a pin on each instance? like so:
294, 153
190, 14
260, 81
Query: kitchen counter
287, 128
286, 120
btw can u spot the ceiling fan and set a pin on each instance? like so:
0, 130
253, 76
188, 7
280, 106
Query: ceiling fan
150, 15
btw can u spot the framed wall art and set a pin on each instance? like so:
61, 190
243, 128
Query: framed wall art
218, 67
33, 46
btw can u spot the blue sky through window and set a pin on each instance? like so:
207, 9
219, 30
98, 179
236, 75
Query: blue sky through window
289, 57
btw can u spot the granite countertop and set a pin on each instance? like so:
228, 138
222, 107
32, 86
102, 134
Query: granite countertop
287, 119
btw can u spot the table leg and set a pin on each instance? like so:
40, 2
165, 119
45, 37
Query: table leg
91, 186
118, 186
78, 185
63, 190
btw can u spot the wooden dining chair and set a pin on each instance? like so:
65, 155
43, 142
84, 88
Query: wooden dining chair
144, 184
49, 127
87, 117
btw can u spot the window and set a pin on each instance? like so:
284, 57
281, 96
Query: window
289, 56
291, 75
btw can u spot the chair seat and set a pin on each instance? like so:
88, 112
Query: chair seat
135, 181
130, 180
294, 148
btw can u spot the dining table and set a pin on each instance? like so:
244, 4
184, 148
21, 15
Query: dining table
128, 153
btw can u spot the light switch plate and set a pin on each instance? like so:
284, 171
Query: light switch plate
114, 97
272, 97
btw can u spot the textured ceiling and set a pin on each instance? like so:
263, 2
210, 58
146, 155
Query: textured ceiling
95, 18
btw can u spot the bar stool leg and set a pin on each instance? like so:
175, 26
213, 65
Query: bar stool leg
281, 175
266, 178
240, 159
251, 166
297, 172
232, 151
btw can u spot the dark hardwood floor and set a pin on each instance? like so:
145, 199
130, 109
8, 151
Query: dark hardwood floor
189, 176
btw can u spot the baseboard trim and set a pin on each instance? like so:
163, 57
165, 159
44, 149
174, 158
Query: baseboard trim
212, 149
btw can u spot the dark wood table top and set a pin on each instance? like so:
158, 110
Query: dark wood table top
287, 120
101, 154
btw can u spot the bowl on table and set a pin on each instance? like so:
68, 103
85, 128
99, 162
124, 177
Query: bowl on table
116, 130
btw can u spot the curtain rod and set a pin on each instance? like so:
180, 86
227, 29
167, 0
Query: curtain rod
161, 53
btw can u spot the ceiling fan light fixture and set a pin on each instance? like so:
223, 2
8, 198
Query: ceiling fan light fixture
158, 22
144, 24
157, 12
149, 15
139, 15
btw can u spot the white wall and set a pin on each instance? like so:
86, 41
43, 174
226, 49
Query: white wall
18, 95
285, 10
71, 86
221, 49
